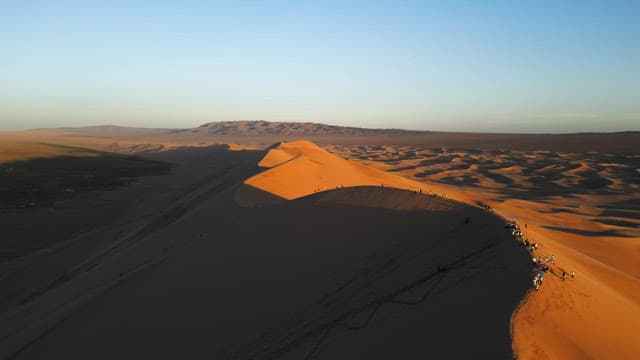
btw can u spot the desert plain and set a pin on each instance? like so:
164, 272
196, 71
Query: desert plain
259, 240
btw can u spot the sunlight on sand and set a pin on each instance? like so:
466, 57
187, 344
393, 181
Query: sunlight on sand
301, 168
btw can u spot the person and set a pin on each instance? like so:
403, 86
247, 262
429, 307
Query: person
573, 275
564, 276
420, 190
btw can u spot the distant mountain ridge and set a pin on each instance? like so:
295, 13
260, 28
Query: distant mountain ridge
269, 128
260, 132
257, 128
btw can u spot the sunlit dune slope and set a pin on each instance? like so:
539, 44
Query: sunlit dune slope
300, 168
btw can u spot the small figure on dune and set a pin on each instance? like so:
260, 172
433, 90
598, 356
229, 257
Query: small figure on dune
573, 275
564, 276
544, 268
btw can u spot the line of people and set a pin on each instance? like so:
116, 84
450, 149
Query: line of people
540, 267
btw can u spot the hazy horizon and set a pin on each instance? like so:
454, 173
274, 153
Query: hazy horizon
540, 67
99, 125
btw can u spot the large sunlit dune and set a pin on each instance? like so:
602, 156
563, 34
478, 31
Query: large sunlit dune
300, 168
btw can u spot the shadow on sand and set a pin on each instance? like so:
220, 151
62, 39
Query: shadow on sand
190, 271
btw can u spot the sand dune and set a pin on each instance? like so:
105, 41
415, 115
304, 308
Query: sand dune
360, 272
301, 168
580, 207
563, 200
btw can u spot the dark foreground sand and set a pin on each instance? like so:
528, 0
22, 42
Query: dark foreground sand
189, 271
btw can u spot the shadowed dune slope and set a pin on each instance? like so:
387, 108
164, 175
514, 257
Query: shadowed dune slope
300, 168
349, 273
358, 272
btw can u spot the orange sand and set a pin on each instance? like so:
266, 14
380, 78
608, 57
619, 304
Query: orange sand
300, 168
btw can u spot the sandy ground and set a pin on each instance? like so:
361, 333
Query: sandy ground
197, 263
581, 208
301, 168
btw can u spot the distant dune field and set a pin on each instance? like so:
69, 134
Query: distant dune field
115, 138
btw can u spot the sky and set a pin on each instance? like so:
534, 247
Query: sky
502, 66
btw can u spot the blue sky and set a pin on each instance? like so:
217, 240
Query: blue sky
507, 66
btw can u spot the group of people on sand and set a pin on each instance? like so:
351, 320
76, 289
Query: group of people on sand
540, 268
486, 207
564, 275
515, 232
550, 259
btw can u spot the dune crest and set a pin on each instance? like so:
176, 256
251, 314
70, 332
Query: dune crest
301, 168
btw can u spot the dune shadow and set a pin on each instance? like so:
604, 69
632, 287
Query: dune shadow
49, 201
504, 180
39, 181
328, 274
460, 180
